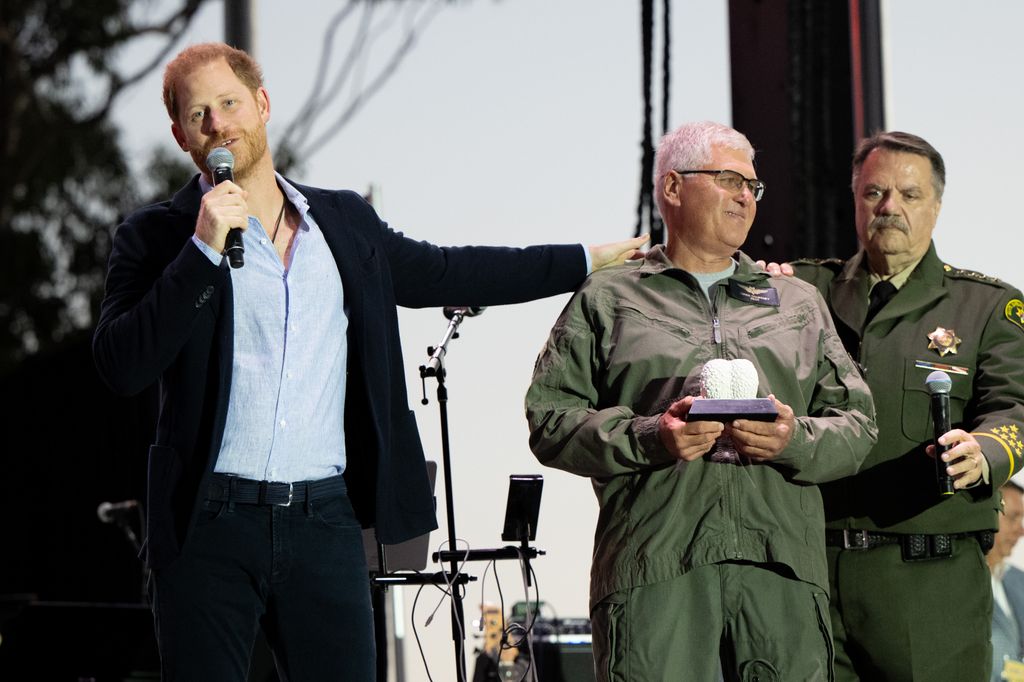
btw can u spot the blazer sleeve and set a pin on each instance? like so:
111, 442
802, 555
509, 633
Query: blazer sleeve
158, 284
425, 275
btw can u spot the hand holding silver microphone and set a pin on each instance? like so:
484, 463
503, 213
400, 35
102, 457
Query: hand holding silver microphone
224, 207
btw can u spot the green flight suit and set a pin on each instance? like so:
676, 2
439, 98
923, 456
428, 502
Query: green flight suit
923, 619
632, 341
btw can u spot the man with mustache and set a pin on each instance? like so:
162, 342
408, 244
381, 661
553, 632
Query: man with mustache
284, 423
703, 554
910, 594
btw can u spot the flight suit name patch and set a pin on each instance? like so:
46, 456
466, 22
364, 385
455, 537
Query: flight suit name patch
751, 293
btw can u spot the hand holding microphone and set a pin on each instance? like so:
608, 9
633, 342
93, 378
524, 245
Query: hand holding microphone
224, 208
959, 461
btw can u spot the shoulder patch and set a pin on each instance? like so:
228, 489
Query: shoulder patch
969, 274
1015, 312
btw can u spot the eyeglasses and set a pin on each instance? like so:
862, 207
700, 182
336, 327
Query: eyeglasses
732, 181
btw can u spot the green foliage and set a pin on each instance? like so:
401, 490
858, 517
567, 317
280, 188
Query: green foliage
64, 178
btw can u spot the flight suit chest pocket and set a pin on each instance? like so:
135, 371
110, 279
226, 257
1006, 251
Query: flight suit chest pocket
784, 347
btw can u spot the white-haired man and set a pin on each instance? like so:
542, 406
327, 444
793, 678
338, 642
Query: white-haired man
699, 559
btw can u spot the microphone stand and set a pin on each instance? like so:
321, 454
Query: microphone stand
435, 368
453, 578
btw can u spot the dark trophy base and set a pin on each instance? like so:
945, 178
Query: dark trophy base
720, 410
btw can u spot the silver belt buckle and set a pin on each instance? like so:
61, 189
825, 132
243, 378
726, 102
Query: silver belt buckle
855, 539
291, 494
265, 492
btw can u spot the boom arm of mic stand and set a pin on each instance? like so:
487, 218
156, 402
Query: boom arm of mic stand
434, 366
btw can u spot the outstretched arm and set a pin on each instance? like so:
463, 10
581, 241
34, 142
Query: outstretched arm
616, 253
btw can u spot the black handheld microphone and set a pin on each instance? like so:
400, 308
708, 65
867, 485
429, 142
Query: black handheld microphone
221, 163
939, 383
451, 311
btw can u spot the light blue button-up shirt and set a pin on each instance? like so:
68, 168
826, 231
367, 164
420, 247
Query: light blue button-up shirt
286, 414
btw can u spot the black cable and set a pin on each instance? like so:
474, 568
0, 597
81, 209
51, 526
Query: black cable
416, 634
647, 217
647, 150
666, 63
657, 228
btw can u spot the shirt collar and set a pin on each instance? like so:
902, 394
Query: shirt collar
897, 280
294, 197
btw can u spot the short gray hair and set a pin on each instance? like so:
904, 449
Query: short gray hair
689, 147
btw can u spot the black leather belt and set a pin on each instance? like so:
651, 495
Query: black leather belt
224, 488
914, 546
849, 538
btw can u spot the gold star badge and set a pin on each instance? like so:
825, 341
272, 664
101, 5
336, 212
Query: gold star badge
944, 341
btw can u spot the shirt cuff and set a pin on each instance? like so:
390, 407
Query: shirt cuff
586, 254
207, 250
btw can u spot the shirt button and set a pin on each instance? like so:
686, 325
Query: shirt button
289, 375
283, 423
263, 240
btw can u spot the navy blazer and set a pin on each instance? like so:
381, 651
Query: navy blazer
166, 318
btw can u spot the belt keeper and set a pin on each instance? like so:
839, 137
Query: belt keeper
941, 546
918, 547
914, 547
985, 538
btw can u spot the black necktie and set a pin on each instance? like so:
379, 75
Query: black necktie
880, 295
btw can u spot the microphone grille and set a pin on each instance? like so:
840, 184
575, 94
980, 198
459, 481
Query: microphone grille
938, 382
220, 157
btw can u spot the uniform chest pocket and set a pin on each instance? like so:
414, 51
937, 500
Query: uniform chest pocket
916, 404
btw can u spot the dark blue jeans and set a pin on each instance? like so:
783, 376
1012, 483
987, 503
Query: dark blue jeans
298, 572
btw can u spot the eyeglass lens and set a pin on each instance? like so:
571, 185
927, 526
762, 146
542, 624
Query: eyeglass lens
734, 182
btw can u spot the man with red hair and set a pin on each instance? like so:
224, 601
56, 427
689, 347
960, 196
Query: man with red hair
284, 423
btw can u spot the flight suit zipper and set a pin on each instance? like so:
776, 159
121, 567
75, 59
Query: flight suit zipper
730, 494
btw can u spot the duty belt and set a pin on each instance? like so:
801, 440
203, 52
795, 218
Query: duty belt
913, 546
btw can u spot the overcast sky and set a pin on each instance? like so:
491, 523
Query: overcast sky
518, 122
